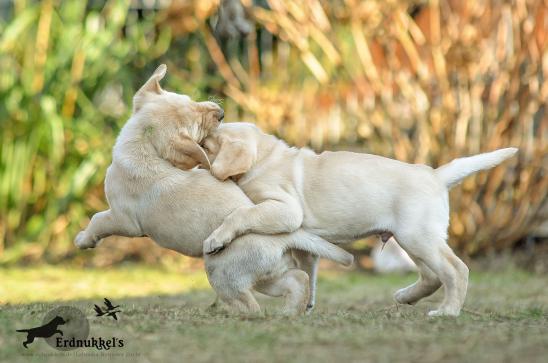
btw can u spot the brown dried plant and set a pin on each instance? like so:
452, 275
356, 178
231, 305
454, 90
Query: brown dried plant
423, 83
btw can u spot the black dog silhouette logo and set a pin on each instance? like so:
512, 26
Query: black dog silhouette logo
62, 323
44, 331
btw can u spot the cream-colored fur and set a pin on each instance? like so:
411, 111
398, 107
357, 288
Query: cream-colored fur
178, 209
343, 196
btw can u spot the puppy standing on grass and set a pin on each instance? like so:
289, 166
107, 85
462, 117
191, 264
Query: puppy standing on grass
344, 196
178, 209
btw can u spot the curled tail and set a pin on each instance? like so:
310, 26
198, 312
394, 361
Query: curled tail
454, 172
308, 242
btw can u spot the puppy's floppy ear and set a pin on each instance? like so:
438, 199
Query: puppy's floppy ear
150, 86
185, 145
233, 158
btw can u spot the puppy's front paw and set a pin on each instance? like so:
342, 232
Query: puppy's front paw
83, 241
215, 243
212, 246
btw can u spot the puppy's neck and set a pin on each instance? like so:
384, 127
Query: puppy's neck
134, 152
267, 145
268, 148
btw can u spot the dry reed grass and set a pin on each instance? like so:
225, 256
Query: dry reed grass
419, 81
456, 78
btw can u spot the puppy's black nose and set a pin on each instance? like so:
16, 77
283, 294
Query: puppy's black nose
221, 114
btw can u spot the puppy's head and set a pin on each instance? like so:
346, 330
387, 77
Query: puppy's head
174, 123
232, 149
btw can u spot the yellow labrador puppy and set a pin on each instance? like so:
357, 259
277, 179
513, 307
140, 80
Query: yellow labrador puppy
179, 209
343, 196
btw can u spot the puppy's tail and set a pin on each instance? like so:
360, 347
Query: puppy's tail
23, 330
315, 245
454, 172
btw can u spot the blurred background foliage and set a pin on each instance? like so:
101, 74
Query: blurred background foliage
421, 81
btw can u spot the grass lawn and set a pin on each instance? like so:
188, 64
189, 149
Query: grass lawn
165, 319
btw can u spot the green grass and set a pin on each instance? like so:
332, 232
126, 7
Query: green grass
47, 283
165, 318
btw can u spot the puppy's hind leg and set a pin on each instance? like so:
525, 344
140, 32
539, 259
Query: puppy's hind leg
449, 269
293, 286
239, 300
216, 304
462, 272
104, 224
243, 302
309, 264
232, 285
426, 285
